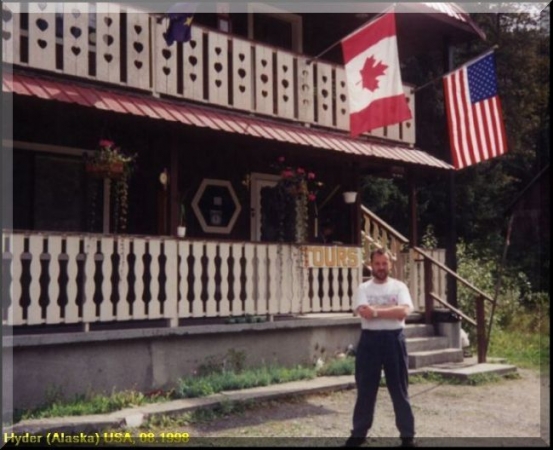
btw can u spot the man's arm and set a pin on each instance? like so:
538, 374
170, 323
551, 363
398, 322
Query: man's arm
384, 312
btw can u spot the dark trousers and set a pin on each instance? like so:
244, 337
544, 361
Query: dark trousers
379, 349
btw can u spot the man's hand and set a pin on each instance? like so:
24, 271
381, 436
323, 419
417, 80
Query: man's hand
366, 312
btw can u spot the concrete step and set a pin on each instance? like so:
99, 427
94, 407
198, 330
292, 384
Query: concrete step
430, 357
418, 330
421, 344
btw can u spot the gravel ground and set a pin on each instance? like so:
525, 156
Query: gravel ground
511, 412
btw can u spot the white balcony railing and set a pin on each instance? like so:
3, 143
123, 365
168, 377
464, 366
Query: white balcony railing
83, 279
110, 43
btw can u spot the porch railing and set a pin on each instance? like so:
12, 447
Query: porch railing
86, 279
117, 44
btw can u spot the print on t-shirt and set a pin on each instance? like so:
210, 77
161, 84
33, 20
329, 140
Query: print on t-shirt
382, 300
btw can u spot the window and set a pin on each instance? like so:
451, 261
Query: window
275, 27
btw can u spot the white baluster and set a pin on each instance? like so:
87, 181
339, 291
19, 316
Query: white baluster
184, 304
224, 304
274, 276
171, 273
211, 304
75, 39
249, 305
237, 309
242, 79
108, 43
139, 306
53, 310
10, 29
123, 306
197, 303
138, 49
193, 66
335, 300
154, 308
89, 307
106, 306
72, 309
262, 280
218, 68
42, 35
34, 311
264, 80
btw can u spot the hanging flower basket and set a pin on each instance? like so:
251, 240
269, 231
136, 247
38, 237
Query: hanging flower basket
111, 170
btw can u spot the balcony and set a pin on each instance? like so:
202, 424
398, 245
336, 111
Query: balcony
125, 47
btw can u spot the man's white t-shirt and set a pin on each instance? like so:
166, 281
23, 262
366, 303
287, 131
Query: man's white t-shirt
391, 293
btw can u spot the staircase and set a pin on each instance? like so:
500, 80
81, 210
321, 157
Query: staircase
426, 349
423, 346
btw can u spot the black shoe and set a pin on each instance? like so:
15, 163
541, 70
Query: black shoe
408, 442
355, 441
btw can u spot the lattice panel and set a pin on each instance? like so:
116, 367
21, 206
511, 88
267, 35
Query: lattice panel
108, 43
264, 98
138, 55
242, 78
42, 35
193, 77
165, 61
324, 94
218, 71
306, 106
10, 32
342, 105
285, 85
75, 39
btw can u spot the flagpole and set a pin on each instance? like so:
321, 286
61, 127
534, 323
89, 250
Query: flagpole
378, 16
476, 58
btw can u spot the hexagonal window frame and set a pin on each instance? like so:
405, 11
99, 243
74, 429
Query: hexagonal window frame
206, 228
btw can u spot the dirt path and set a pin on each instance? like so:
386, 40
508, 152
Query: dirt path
511, 408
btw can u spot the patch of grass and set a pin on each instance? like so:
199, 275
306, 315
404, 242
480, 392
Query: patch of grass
190, 387
523, 349
92, 404
337, 367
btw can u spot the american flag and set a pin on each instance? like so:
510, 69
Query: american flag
475, 119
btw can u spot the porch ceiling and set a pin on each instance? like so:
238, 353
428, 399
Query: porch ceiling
139, 105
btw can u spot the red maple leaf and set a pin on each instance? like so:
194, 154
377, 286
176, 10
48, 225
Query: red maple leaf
370, 71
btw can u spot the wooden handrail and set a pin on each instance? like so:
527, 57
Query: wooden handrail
452, 308
452, 273
387, 226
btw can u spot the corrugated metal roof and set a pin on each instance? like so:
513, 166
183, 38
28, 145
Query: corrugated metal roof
154, 108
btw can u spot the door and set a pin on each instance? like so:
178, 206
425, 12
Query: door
260, 185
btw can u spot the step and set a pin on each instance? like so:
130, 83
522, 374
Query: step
421, 344
465, 373
430, 357
418, 330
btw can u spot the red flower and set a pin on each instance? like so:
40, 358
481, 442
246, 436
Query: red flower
281, 159
106, 143
300, 171
287, 173
311, 197
310, 176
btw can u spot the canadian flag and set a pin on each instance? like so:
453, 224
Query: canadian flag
376, 97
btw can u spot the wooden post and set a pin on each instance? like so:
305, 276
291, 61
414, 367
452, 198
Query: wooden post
413, 207
481, 329
428, 301
174, 194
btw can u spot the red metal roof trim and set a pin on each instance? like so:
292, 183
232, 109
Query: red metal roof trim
196, 116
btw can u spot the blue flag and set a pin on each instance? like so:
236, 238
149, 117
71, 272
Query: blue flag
179, 28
